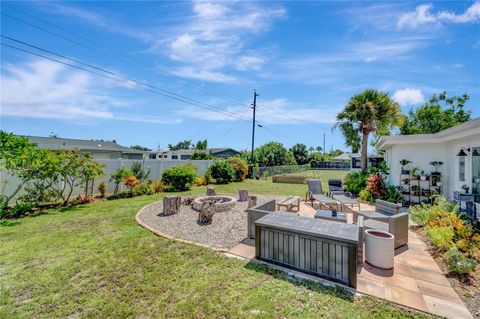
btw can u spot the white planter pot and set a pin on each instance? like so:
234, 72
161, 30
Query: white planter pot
379, 248
423, 178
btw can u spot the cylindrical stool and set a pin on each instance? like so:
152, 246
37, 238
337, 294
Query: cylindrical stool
379, 248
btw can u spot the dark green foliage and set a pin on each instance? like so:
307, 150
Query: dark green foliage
119, 176
141, 148
355, 182
102, 188
274, 154
201, 145
18, 210
222, 172
392, 194
201, 155
179, 178
300, 153
143, 189
439, 113
182, 145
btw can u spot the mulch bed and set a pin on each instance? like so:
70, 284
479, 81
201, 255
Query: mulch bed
226, 230
466, 286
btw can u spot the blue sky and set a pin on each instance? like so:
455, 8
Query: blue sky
305, 59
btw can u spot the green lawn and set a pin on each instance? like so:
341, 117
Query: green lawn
94, 261
323, 175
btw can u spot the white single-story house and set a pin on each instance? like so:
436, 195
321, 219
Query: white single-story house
186, 154
457, 147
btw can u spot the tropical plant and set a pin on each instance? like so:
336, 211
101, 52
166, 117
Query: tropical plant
182, 145
119, 176
441, 237
300, 153
201, 181
436, 164
404, 162
240, 168
439, 113
139, 172
179, 178
141, 148
222, 172
352, 136
376, 185
355, 182
158, 186
142, 189
201, 145
103, 189
392, 194
201, 155
131, 182
369, 112
458, 263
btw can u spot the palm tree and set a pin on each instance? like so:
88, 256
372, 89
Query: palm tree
368, 112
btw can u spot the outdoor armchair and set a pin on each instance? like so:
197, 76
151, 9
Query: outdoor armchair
397, 225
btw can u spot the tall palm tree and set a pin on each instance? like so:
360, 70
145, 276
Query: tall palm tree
368, 112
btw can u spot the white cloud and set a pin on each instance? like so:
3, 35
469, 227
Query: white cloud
423, 16
408, 96
47, 90
214, 38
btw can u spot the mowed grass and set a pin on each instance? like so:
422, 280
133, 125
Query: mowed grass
94, 261
323, 175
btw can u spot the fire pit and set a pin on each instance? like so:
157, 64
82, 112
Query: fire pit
222, 203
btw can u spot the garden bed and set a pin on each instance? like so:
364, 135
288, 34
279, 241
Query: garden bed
466, 286
226, 230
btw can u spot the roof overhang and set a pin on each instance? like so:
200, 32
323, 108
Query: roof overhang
467, 129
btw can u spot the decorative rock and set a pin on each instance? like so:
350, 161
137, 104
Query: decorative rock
252, 201
205, 216
242, 195
211, 191
171, 204
188, 200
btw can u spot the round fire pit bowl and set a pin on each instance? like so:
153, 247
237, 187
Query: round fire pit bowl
222, 203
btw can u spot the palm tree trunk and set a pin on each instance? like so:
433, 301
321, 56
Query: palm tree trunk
363, 163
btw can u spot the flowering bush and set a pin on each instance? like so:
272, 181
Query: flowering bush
130, 182
376, 185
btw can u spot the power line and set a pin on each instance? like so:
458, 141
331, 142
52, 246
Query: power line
129, 83
294, 118
213, 92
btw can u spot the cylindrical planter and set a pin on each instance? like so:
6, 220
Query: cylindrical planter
379, 248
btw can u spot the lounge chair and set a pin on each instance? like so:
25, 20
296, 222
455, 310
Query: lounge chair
337, 192
315, 193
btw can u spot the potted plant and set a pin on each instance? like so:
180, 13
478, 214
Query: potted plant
413, 173
423, 177
415, 190
403, 163
436, 164
405, 181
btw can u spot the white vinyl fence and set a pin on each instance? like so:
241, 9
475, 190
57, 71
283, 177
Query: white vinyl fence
9, 183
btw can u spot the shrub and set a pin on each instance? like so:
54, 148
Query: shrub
441, 237
138, 171
240, 168
201, 181
158, 186
119, 176
102, 188
179, 178
366, 196
201, 155
142, 189
458, 263
222, 172
355, 182
376, 185
424, 214
19, 209
392, 194
119, 195
131, 182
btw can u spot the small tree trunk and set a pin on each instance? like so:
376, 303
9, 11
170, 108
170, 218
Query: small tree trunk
364, 158
252, 201
242, 195
210, 191
205, 216
171, 204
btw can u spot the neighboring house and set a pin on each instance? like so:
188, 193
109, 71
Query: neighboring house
457, 147
97, 149
356, 158
187, 154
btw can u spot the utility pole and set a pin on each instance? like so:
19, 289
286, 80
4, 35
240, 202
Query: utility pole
323, 143
254, 107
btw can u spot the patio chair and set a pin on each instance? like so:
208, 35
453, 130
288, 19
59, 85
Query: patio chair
337, 192
383, 210
315, 193
397, 225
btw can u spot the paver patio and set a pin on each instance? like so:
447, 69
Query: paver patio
416, 281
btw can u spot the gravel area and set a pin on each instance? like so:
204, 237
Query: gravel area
226, 230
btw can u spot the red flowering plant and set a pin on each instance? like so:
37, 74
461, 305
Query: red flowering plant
376, 185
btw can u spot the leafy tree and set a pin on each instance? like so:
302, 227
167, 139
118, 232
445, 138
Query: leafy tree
319, 149
300, 153
352, 136
201, 145
119, 176
182, 145
240, 167
247, 156
274, 154
368, 112
201, 155
439, 113
90, 171
141, 148
311, 149
317, 156
139, 172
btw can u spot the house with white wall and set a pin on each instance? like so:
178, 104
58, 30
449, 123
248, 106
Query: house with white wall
457, 147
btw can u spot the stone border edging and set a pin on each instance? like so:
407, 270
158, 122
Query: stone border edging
158, 233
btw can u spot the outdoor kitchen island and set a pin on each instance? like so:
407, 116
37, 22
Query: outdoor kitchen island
319, 247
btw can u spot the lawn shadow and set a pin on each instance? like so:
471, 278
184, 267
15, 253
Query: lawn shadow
72, 208
315, 286
9, 223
